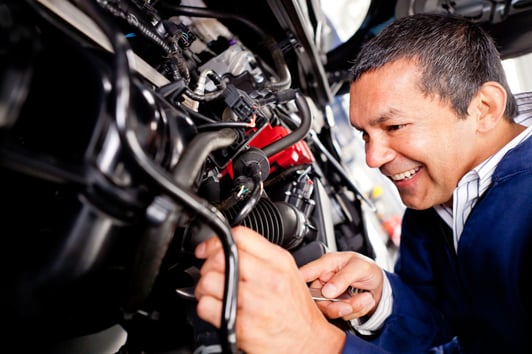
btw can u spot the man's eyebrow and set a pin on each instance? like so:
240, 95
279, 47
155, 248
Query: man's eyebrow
382, 118
379, 120
376, 121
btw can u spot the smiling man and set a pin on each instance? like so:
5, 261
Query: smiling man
418, 139
430, 97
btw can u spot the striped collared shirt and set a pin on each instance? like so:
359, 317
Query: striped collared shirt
477, 181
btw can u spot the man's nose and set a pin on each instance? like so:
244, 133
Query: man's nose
378, 152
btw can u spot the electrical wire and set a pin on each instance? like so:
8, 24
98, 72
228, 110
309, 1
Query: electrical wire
284, 77
251, 201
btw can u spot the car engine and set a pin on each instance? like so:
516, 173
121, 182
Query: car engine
132, 130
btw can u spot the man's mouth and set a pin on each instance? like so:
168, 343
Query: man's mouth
404, 175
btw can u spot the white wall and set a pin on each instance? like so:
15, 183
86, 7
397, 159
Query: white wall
519, 73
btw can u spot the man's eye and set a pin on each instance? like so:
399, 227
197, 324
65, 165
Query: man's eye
395, 127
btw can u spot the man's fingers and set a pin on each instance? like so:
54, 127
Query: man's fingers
362, 304
323, 269
336, 271
334, 310
327, 267
360, 272
210, 309
358, 306
206, 248
247, 240
210, 284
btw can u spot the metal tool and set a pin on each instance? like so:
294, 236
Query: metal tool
318, 296
188, 293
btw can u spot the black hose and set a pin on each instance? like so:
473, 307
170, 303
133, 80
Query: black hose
193, 158
298, 134
252, 200
205, 210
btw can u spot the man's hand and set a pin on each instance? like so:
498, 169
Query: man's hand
334, 272
275, 312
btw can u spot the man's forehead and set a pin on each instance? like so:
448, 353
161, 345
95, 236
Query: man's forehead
410, 63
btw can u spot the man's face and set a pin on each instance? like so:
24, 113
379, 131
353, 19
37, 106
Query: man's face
417, 141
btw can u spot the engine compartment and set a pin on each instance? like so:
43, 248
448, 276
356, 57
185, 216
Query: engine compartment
130, 132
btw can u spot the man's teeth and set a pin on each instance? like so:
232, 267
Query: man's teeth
404, 175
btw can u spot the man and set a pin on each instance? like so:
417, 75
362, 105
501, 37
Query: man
437, 116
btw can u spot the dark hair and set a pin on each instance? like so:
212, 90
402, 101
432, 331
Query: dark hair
456, 56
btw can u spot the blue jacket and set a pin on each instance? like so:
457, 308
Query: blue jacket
481, 293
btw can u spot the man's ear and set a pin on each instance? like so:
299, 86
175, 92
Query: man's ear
488, 105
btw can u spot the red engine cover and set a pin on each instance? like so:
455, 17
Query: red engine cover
297, 154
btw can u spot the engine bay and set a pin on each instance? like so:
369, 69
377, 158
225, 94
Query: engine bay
133, 130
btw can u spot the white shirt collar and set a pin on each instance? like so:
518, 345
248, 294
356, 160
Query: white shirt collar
477, 181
